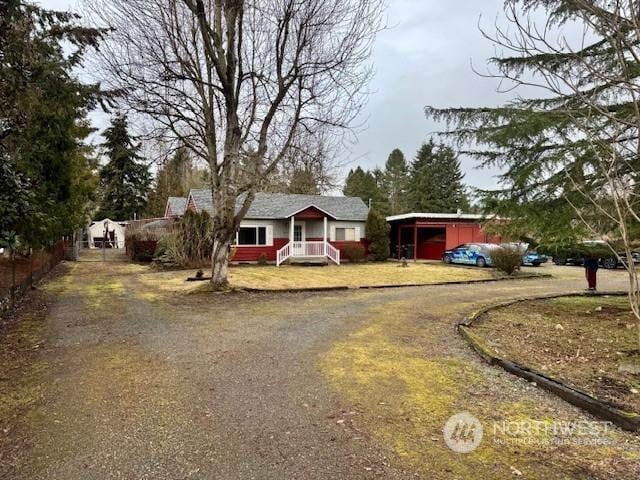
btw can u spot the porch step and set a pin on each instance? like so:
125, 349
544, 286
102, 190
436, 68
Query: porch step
318, 261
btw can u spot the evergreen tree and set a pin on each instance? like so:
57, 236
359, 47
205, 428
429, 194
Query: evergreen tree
436, 183
380, 200
569, 157
562, 153
125, 180
396, 181
378, 236
43, 129
366, 185
18, 210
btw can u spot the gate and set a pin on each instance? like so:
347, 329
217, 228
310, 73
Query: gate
109, 251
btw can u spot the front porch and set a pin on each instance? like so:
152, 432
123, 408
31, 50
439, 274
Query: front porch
302, 226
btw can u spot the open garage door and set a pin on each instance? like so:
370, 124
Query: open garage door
431, 243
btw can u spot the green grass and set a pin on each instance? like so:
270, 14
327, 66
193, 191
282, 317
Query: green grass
351, 276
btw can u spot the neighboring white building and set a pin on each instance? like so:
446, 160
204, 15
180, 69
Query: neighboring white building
106, 231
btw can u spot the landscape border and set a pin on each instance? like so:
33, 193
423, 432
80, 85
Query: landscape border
600, 408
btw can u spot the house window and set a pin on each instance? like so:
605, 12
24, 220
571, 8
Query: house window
346, 235
297, 233
252, 236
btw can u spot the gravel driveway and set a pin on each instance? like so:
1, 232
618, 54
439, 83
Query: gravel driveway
116, 379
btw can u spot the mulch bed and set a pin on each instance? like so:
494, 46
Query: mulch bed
590, 343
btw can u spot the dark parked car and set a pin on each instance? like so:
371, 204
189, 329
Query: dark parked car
575, 254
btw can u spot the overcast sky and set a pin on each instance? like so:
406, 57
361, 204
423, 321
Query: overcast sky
423, 58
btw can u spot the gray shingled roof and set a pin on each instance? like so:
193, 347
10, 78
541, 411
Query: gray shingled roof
177, 204
283, 205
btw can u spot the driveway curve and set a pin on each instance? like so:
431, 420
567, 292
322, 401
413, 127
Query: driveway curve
114, 378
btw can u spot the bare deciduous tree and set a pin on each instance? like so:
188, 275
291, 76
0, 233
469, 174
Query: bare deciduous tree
311, 165
237, 80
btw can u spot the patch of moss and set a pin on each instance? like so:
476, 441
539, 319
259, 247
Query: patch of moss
25, 391
590, 302
406, 397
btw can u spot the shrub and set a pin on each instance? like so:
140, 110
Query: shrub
195, 237
355, 253
507, 259
143, 250
262, 259
378, 236
140, 244
190, 244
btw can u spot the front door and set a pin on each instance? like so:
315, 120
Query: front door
299, 236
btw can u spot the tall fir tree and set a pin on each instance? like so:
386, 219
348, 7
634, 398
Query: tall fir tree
360, 183
396, 181
366, 185
558, 151
570, 156
436, 183
125, 179
43, 130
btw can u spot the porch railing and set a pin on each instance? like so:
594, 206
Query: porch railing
283, 254
308, 249
333, 253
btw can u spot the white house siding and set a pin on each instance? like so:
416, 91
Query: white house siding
314, 228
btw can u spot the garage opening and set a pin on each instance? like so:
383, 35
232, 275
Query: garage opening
431, 243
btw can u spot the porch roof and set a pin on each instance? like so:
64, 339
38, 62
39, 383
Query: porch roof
280, 206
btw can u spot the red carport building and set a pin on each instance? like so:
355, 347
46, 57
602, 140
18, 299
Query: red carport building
425, 236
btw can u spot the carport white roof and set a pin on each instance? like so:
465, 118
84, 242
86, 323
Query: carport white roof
461, 216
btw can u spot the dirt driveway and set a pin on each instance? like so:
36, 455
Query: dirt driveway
118, 379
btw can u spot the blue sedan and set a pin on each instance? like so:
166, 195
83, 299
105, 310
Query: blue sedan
534, 258
478, 254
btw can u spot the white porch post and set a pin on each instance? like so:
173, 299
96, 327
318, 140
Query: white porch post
324, 245
291, 230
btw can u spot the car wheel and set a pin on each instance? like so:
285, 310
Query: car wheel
481, 262
537, 264
560, 260
447, 259
610, 263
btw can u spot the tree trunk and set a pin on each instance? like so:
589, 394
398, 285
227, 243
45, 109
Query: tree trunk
220, 265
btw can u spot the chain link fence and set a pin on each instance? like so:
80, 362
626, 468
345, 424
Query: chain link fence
18, 273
